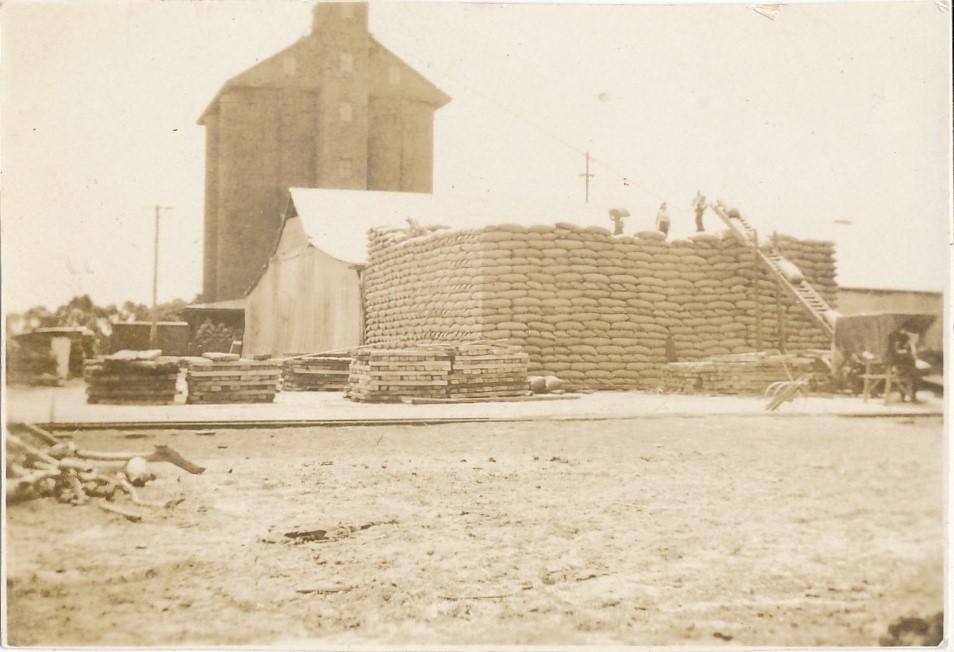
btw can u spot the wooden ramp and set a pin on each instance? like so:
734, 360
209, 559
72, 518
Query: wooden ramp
784, 270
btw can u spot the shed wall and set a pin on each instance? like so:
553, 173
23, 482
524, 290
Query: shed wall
305, 302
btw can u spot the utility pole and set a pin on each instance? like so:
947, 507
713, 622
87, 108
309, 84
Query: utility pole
587, 176
154, 328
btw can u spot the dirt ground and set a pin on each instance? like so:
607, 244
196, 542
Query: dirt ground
734, 531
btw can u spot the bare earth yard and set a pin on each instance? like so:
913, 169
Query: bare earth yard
771, 531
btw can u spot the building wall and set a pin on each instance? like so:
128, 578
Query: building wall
599, 310
210, 252
249, 186
335, 110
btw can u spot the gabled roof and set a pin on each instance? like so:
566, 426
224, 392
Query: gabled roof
268, 73
431, 93
258, 76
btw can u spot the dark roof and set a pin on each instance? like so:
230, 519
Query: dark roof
266, 74
227, 304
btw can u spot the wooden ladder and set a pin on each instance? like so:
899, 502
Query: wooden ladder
802, 290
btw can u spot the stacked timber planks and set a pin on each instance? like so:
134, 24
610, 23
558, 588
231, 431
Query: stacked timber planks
224, 380
747, 373
389, 375
325, 372
484, 370
131, 377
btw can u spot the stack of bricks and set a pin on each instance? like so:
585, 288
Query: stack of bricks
597, 310
131, 378
382, 375
486, 370
327, 372
746, 373
232, 381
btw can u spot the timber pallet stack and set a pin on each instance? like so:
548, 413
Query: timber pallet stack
747, 374
327, 372
487, 371
390, 375
228, 379
131, 378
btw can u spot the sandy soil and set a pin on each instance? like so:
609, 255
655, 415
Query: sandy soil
798, 531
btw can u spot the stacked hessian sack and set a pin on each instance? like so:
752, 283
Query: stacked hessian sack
597, 310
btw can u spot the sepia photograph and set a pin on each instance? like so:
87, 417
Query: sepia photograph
431, 325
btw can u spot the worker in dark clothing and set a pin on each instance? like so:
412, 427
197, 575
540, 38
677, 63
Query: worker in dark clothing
903, 358
699, 205
662, 219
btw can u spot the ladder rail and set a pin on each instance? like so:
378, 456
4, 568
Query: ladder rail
803, 291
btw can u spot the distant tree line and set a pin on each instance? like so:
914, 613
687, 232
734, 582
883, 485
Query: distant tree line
81, 311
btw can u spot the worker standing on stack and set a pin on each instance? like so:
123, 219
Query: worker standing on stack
699, 205
662, 219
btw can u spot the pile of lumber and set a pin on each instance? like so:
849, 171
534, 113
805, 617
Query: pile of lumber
382, 375
483, 370
599, 310
38, 465
325, 372
745, 374
227, 378
131, 377
437, 371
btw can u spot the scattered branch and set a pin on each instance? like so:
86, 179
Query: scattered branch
75, 475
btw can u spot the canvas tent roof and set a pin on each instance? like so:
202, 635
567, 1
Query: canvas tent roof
337, 221
869, 331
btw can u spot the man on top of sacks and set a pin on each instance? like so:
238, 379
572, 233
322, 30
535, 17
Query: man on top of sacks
662, 219
699, 205
617, 215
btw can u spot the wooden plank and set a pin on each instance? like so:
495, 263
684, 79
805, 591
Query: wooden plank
211, 374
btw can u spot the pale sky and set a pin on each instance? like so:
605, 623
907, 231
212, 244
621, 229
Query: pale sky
826, 112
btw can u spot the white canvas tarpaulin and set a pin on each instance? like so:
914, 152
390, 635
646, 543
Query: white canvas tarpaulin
308, 298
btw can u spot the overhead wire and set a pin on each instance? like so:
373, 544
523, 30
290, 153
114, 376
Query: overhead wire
628, 180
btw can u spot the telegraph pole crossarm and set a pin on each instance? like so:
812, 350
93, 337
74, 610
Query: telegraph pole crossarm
586, 178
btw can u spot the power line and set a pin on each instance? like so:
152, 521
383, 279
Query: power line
627, 179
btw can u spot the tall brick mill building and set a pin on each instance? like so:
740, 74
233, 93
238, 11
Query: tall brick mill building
334, 110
